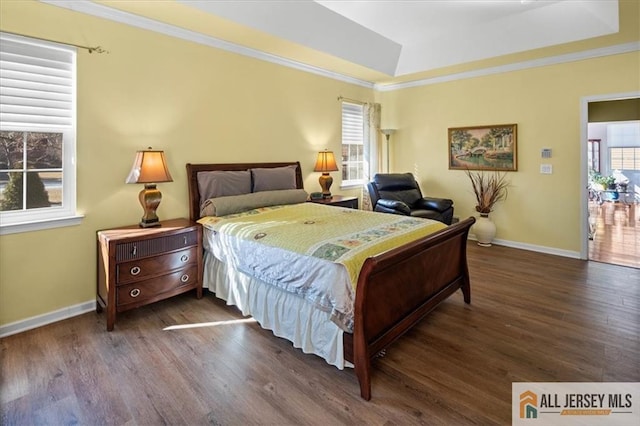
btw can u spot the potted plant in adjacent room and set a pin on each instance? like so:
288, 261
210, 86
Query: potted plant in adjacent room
603, 182
489, 187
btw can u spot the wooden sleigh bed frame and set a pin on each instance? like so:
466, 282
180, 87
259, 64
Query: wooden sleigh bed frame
395, 290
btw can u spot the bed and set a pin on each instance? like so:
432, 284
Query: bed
392, 289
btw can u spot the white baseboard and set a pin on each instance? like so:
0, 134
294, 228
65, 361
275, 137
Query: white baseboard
533, 247
48, 318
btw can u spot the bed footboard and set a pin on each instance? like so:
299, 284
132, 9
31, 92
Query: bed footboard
396, 289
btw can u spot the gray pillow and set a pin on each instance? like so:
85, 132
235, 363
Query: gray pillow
273, 179
239, 203
221, 183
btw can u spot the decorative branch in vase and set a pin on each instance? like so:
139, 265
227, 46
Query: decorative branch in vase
489, 188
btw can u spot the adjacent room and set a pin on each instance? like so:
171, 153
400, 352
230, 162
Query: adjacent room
142, 140
613, 166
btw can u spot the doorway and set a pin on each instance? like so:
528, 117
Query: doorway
611, 177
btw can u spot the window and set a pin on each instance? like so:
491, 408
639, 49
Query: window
352, 144
624, 158
37, 134
593, 155
623, 139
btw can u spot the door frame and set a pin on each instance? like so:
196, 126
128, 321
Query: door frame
584, 177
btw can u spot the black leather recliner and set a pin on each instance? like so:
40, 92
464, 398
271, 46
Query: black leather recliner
399, 193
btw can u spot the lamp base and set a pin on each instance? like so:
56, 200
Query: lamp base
325, 183
153, 223
150, 198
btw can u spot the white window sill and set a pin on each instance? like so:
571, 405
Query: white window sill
15, 228
352, 185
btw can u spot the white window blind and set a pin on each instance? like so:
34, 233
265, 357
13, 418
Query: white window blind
37, 83
37, 133
352, 124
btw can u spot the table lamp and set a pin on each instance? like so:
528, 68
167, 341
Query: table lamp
325, 163
149, 167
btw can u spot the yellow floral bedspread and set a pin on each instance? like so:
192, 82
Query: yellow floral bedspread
312, 250
341, 235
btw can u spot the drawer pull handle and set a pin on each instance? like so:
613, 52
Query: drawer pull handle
135, 270
184, 278
135, 292
184, 258
134, 251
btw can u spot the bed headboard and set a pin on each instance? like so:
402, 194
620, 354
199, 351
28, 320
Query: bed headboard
194, 169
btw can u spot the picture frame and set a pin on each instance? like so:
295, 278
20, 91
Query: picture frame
492, 147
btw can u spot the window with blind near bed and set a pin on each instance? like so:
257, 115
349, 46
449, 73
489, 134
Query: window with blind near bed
352, 144
37, 134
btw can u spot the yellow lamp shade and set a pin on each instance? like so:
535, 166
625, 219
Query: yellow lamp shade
326, 162
149, 167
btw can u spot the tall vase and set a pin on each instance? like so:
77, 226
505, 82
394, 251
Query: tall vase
485, 230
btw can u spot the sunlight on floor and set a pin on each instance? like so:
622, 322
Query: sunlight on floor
615, 233
209, 324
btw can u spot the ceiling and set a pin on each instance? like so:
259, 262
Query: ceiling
400, 37
371, 41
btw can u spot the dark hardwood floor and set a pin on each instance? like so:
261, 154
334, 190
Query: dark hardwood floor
617, 233
533, 317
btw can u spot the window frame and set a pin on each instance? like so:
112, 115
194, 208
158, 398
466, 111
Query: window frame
348, 137
593, 154
55, 216
635, 154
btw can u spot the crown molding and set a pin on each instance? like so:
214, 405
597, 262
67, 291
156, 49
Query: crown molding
101, 11
542, 62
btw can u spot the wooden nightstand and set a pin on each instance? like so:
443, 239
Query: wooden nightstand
138, 266
339, 200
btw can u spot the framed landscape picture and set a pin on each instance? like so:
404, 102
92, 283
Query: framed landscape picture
483, 147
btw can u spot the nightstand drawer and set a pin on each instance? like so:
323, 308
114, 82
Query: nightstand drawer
138, 270
350, 203
140, 292
144, 248
338, 200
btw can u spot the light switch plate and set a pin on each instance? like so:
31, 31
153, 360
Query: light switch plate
546, 169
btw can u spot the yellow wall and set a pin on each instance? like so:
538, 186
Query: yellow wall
541, 210
205, 105
197, 103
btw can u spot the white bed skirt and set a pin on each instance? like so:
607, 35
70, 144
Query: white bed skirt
285, 314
